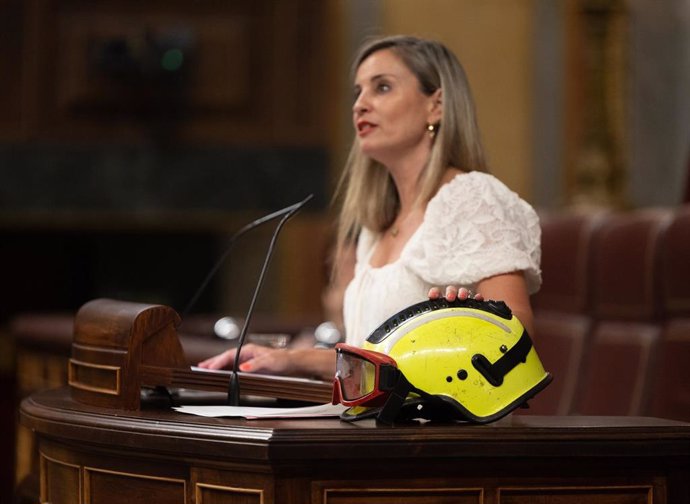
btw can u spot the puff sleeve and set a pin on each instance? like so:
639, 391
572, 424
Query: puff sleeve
474, 228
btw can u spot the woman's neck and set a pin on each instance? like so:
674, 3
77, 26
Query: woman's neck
405, 173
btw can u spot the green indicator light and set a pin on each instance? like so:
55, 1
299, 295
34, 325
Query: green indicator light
172, 60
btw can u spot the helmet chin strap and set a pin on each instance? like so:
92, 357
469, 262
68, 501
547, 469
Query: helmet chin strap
427, 406
395, 400
398, 395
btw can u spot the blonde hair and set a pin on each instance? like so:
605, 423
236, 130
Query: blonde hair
369, 196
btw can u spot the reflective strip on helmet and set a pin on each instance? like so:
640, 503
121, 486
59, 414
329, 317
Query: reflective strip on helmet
425, 318
497, 308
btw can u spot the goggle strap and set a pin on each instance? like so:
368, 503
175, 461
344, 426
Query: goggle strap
395, 400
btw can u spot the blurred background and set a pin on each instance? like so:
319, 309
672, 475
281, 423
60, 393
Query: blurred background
136, 137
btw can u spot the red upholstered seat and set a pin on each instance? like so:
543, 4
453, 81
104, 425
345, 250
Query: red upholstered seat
671, 381
561, 343
615, 378
561, 321
626, 308
565, 261
675, 265
625, 259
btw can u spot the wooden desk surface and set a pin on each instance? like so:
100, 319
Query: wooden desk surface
598, 459
52, 411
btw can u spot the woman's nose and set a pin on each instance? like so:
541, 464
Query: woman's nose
361, 104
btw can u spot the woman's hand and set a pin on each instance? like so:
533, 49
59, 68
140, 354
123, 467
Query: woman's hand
253, 358
304, 362
507, 287
453, 292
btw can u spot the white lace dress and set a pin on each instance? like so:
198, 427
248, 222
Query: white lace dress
473, 228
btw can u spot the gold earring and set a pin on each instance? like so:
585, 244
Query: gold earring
431, 128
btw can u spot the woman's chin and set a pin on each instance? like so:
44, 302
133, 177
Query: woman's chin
373, 152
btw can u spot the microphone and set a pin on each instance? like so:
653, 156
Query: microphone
234, 384
291, 210
287, 212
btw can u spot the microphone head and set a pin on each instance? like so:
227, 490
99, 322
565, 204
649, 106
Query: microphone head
327, 334
227, 328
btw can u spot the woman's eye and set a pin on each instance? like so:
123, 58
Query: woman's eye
383, 87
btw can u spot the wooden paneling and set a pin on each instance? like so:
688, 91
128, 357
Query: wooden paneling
10, 68
402, 494
114, 487
219, 494
206, 72
60, 481
571, 495
230, 487
96, 49
73, 475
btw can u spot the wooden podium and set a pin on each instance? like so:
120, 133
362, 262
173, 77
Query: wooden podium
120, 347
135, 451
97, 455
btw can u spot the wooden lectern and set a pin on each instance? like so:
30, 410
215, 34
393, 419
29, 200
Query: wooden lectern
120, 347
100, 443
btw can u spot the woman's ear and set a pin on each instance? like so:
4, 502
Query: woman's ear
436, 107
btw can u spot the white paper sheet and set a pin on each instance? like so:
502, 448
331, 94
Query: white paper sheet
248, 412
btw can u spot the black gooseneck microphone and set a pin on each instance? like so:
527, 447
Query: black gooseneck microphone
291, 210
286, 213
234, 384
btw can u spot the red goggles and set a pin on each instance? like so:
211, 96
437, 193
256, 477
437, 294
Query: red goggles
363, 377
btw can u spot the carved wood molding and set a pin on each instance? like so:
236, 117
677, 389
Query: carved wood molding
597, 130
